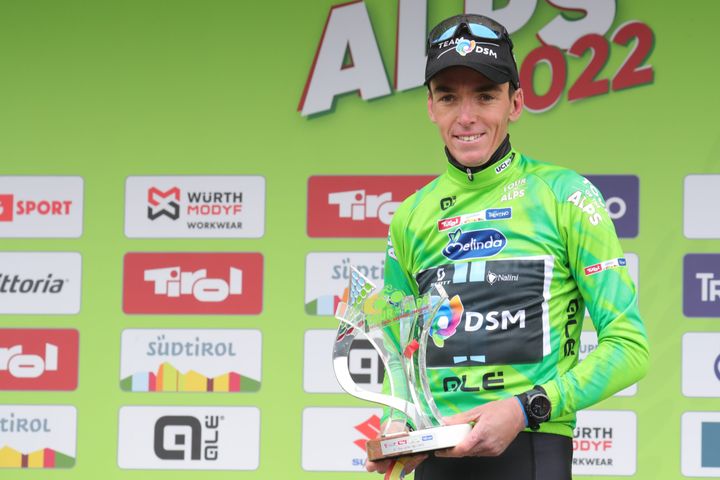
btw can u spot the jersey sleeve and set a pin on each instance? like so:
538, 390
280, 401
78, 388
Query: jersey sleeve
597, 263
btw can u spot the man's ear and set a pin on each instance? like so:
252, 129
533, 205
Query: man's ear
430, 105
517, 102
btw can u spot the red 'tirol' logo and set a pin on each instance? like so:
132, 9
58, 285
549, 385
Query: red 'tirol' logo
34, 359
357, 206
193, 283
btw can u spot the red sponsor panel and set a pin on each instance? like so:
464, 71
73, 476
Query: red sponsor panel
193, 283
448, 223
36, 359
357, 206
7, 205
593, 269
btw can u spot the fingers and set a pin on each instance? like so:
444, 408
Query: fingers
382, 466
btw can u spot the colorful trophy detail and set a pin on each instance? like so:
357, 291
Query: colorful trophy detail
398, 327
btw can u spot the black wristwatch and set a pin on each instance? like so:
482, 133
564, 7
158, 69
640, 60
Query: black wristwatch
537, 406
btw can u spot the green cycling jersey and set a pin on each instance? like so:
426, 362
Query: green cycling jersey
521, 248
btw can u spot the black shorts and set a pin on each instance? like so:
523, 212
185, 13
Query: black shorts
531, 456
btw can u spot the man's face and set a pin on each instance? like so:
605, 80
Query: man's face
472, 113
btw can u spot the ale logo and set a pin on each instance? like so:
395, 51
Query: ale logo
186, 438
38, 359
474, 244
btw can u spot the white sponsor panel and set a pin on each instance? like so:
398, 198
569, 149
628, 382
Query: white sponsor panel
605, 443
29, 428
333, 439
701, 217
48, 207
701, 364
327, 275
195, 207
40, 282
588, 343
700, 444
189, 438
366, 368
211, 352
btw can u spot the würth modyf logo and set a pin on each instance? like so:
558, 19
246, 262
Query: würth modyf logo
181, 437
165, 203
193, 283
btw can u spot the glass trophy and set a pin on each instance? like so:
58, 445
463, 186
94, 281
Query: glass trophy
398, 328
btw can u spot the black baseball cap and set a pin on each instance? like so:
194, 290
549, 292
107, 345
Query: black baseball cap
473, 41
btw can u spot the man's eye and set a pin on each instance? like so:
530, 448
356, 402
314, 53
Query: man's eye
447, 98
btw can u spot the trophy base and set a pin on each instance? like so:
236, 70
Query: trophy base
408, 443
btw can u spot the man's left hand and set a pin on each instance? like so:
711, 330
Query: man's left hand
496, 425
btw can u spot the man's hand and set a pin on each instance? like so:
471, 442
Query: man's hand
410, 461
496, 425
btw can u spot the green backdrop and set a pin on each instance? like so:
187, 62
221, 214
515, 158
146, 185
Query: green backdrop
109, 89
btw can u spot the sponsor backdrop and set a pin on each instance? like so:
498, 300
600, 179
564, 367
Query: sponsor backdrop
183, 186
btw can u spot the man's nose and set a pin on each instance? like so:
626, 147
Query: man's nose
467, 113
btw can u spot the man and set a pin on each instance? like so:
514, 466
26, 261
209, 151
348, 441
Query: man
526, 247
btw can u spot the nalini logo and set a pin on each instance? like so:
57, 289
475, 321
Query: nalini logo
186, 438
172, 282
474, 244
165, 203
370, 429
357, 205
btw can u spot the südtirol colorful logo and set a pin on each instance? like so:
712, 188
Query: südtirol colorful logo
327, 276
36, 359
37, 436
170, 360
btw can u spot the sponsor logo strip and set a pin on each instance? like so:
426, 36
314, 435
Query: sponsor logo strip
605, 443
481, 216
606, 265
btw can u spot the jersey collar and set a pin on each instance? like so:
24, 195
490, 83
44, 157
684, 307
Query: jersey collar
493, 173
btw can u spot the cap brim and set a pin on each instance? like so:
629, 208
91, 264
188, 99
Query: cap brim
492, 73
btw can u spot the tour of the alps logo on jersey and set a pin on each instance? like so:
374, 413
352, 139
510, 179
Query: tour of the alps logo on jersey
357, 206
189, 438
701, 285
605, 443
621, 201
37, 436
463, 245
175, 360
333, 439
481, 216
364, 364
37, 359
327, 275
493, 316
193, 283
40, 282
207, 207
41, 206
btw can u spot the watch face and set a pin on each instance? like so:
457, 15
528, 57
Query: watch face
540, 406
